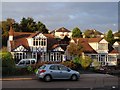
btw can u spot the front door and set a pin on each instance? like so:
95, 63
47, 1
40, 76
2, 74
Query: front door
39, 56
103, 59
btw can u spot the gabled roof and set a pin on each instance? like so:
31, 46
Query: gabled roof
62, 29
19, 42
112, 50
87, 39
84, 42
33, 35
87, 48
20, 38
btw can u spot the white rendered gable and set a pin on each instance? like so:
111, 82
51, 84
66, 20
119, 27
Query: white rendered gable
72, 41
116, 44
40, 35
20, 48
58, 49
103, 41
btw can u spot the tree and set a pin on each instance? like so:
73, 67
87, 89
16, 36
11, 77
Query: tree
76, 32
5, 25
85, 61
75, 49
110, 37
28, 25
41, 27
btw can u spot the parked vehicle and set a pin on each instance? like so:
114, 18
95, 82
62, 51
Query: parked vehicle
26, 62
48, 72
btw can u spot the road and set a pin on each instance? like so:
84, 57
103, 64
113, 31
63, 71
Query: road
85, 81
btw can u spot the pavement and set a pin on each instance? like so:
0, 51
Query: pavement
13, 78
33, 77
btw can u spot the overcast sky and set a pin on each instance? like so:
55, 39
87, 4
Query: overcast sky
101, 16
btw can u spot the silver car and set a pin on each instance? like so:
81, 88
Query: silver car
48, 72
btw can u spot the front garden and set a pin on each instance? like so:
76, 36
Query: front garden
81, 64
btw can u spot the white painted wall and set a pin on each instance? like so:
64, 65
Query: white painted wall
30, 41
94, 45
58, 34
10, 38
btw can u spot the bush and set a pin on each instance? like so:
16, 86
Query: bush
96, 65
69, 64
8, 64
85, 61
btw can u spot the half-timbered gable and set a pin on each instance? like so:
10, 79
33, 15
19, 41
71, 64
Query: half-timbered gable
20, 49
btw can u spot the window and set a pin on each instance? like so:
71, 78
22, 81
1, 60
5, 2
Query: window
51, 56
44, 55
27, 61
33, 55
20, 55
111, 58
22, 62
54, 67
63, 68
102, 46
39, 42
94, 56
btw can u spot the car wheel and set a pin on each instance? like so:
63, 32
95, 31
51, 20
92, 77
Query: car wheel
74, 78
47, 78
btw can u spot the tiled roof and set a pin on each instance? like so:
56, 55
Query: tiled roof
18, 42
94, 39
84, 42
62, 29
20, 38
87, 39
33, 35
114, 51
87, 48
19, 35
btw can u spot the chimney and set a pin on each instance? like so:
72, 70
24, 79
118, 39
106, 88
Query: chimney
11, 34
77, 41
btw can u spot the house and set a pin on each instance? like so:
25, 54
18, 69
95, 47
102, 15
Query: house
61, 33
116, 46
46, 47
43, 47
92, 33
98, 49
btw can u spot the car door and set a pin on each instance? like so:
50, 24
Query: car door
64, 72
55, 72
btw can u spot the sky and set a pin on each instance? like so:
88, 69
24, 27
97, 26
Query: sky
101, 16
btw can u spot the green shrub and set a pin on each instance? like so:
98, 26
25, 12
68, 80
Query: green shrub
69, 64
85, 61
8, 64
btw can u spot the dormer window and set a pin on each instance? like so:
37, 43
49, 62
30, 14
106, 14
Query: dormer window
39, 42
